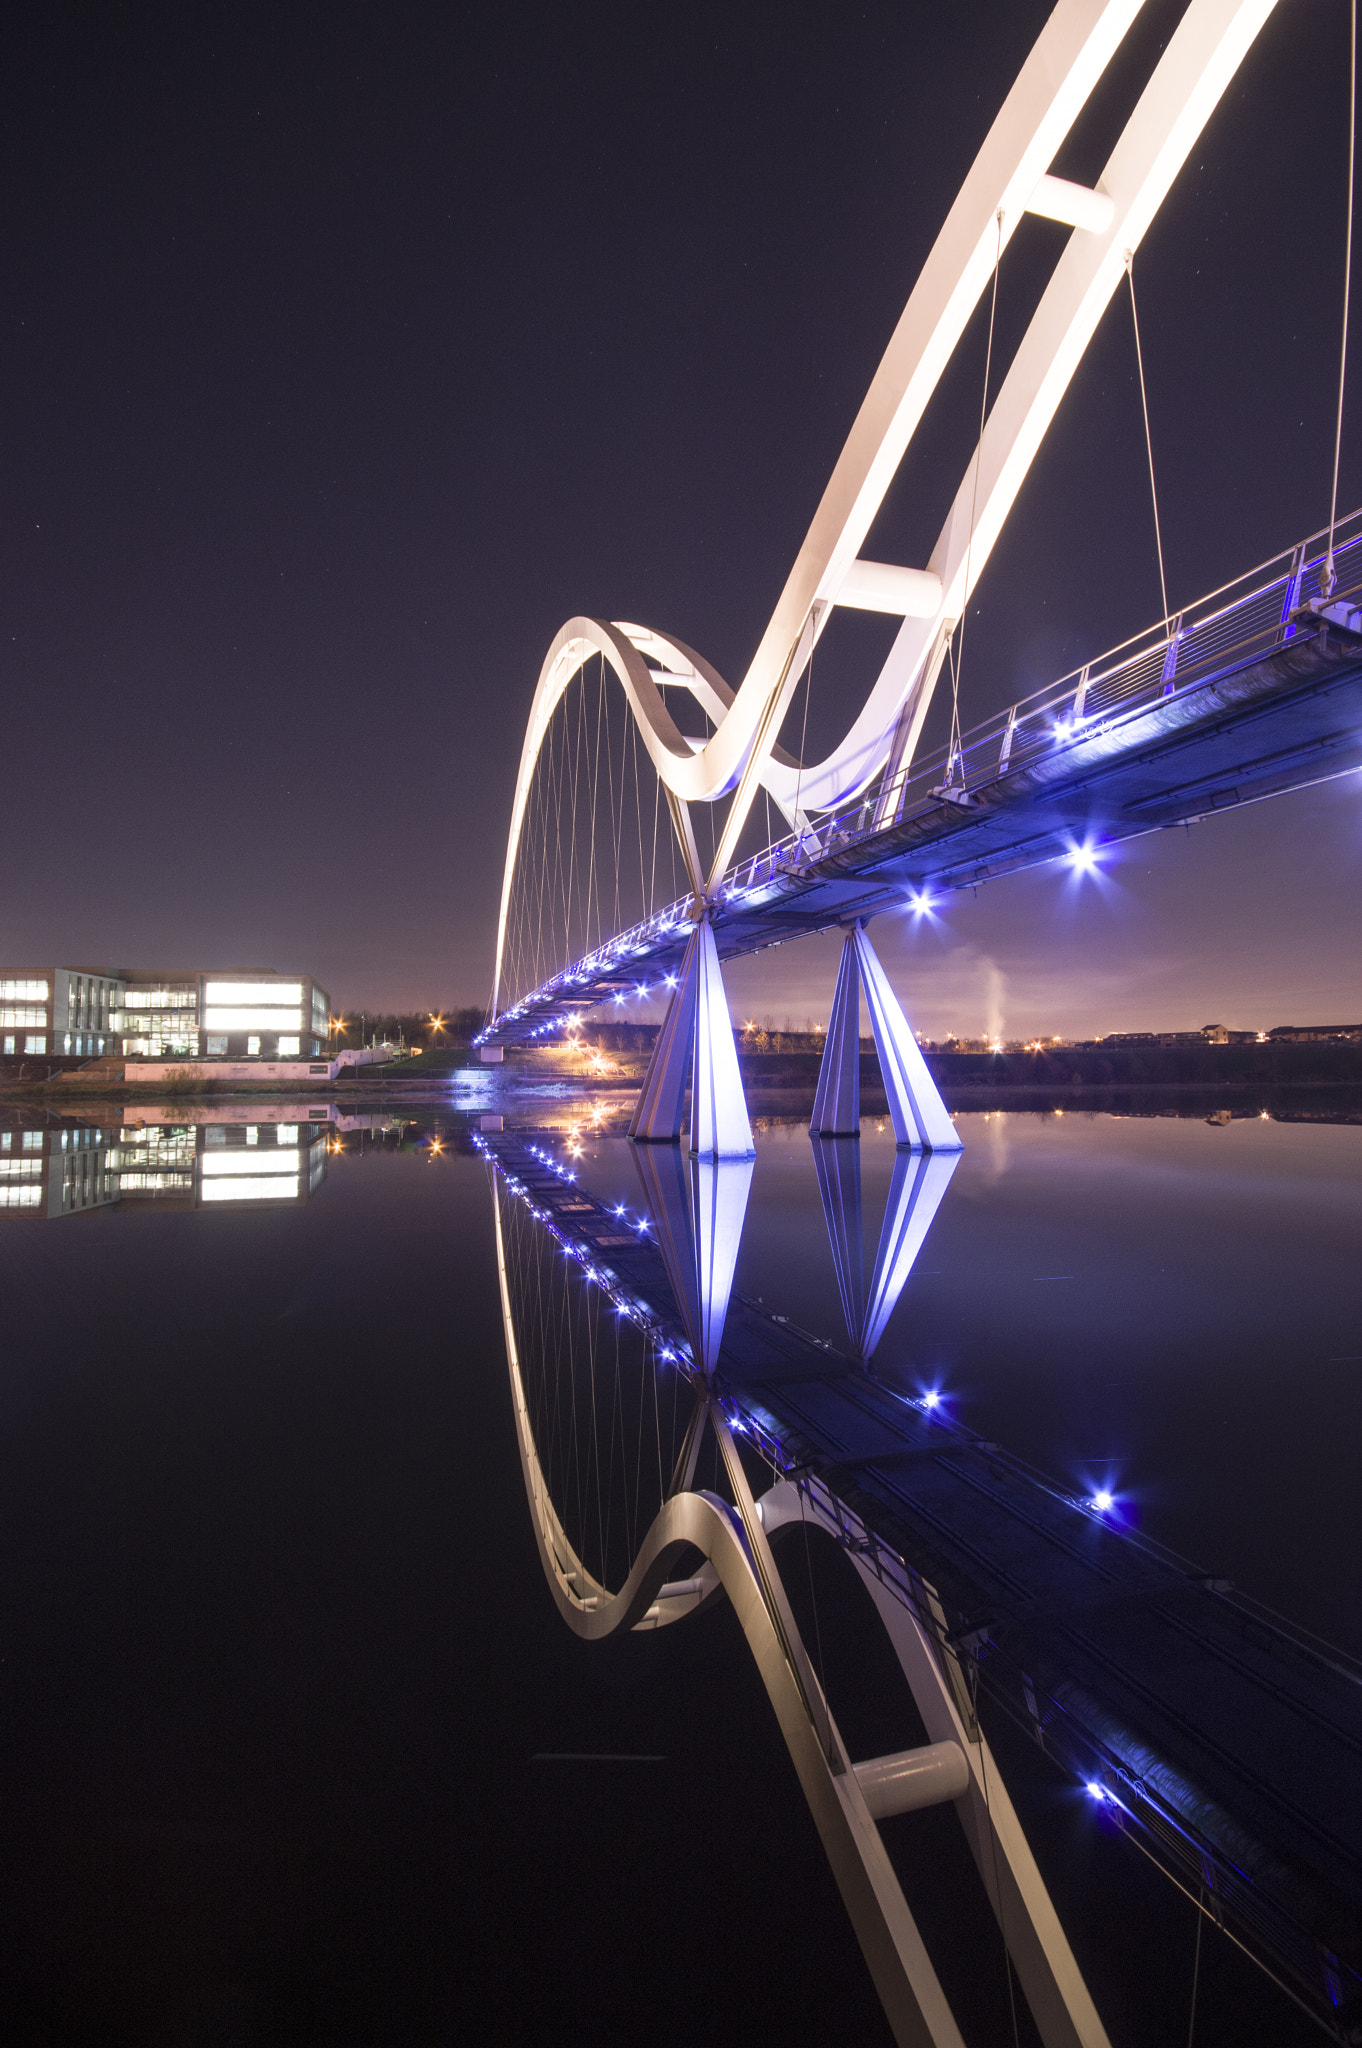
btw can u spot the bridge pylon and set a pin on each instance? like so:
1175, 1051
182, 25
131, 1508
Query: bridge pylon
696, 1044
920, 1118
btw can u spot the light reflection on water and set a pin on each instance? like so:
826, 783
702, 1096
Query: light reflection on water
1167, 1306
1170, 1304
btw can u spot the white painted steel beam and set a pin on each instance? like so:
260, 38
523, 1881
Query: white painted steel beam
1202, 57
695, 1045
660, 1108
1078, 206
719, 1126
913, 1778
881, 587
918, 1114
1009, 176
837, 1099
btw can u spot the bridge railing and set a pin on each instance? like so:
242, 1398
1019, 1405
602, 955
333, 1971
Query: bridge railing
1233, 624
1247, 617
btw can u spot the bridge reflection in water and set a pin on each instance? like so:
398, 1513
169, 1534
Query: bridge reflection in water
672, 1431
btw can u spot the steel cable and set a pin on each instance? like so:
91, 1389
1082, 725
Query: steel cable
957, 650
1327, 576
1148, 438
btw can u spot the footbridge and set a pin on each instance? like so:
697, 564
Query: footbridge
646, 843
1253, 692
664, 822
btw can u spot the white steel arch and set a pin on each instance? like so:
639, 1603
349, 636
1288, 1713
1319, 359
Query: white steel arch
1009, 177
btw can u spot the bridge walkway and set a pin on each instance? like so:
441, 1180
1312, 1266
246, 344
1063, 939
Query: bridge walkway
1269, 712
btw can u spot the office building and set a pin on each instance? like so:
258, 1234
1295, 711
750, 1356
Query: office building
190, 1013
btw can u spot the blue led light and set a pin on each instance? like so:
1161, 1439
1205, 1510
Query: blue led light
1103, 1501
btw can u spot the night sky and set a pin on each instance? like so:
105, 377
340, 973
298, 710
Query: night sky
347, 353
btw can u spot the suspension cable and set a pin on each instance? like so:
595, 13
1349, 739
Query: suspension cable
958, 651
1327, 576
1148, 438
1196, 1967
803, 736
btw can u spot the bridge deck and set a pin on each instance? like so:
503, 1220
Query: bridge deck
1231, 1743
1272, 719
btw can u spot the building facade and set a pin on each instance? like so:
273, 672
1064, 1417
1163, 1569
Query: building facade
189, 1013
58, 1010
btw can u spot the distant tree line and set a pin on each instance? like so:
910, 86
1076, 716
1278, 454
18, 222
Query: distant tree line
412, 1027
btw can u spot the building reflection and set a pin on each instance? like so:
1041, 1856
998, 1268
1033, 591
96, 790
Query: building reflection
248, 1157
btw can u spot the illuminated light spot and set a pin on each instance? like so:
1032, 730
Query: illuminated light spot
932, 1400
1103, 1501
1084, 859
1094, 1790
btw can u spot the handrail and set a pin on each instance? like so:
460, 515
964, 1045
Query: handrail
1097, 695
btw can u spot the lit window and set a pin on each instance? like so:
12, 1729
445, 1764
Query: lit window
33, 1141
265, 1187
253, 992
36, 1042
252, 1047
217, 1048
252, 1020
234, 1160
288, 1048
9, 1041
286, 1134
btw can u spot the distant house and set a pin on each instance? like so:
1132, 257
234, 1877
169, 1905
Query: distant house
1137, 1038
1311, 1034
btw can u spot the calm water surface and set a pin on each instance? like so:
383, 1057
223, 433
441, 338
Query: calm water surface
279, 1663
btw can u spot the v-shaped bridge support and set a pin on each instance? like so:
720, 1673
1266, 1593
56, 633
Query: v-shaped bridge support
696, 1044
915, 1106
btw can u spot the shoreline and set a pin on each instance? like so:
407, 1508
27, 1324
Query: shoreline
512, 1093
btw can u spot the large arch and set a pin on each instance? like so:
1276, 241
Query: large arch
1008, 178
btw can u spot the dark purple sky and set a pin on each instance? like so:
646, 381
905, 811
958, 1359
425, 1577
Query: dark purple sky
348, 353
